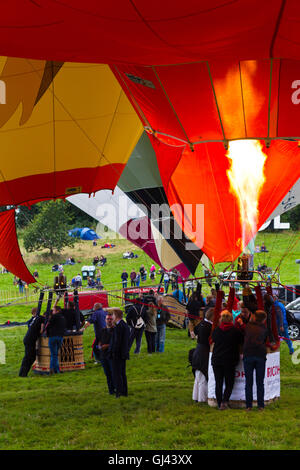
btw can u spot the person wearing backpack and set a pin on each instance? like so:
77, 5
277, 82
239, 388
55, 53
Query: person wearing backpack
135, 320
162, 318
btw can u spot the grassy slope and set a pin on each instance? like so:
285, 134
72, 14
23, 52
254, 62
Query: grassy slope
74, 410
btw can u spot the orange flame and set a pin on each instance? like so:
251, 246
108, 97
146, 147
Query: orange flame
246, 177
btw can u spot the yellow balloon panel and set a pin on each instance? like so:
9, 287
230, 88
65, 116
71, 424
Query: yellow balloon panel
62, 119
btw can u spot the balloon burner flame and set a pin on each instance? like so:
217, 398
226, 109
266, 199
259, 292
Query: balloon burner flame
246, 177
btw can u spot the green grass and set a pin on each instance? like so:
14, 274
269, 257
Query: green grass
75, 411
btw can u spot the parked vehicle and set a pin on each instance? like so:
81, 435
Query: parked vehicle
293, 319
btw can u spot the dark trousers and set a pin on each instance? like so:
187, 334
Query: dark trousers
257, 364
119, 376
150, 337
136, 334
28, 359
96, 351
107, 367
224, 373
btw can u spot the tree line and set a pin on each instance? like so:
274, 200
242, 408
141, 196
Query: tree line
46, 225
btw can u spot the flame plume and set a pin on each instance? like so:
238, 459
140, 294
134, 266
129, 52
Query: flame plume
246, 177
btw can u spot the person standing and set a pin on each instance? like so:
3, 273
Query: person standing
124, 277
225, 357
284, 327
201, 357
152, 272
135, 320
78, 281
98, 277
20, 283
35, 326
254, 357
55, 330
143, 273
137, 279
194, 305
166, 281
103, 347
162, 318
119, 353
151, 329
98, 320
132, 278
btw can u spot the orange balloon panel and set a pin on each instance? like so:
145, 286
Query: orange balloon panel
200, 177
193, 112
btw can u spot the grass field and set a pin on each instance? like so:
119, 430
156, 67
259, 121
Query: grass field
74, 410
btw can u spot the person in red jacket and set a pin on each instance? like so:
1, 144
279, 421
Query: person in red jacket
227, 340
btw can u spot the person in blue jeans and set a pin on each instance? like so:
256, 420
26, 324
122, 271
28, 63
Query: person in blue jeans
254, 357
162, 318
55, 343
284, 331
55, 330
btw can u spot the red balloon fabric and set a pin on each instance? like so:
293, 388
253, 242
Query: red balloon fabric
193, 112
143, 32
200, 74
10, 254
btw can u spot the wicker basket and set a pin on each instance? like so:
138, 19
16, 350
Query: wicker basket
70, 355
177, 311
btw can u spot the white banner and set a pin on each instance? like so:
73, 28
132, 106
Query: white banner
272, 379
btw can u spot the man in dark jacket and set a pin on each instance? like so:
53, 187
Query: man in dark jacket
119, 352
200, 357
98, 320
103, 347
124, 277
255, 354
35, 325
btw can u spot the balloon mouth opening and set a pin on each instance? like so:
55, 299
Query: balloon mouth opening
246, 179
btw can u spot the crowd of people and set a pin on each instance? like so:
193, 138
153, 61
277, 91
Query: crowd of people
114, 337
243, 329
137, 276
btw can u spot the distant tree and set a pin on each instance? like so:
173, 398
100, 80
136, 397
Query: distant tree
49, 228
293, 217
79, 218
25, 215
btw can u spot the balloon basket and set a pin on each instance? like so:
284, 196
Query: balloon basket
177, 320
70, 356
237, 400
